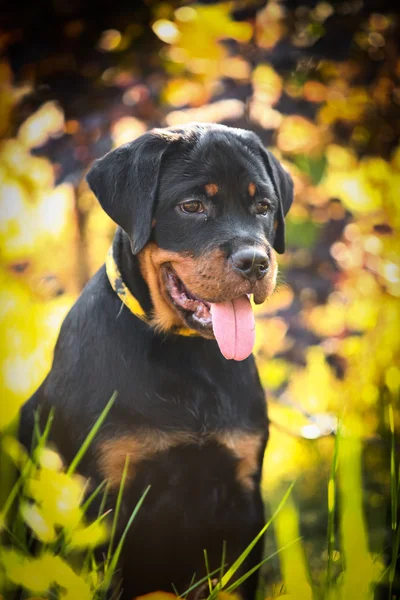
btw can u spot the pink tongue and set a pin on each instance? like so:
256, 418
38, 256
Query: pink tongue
234, 328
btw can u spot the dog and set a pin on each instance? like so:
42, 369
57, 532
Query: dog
167, 323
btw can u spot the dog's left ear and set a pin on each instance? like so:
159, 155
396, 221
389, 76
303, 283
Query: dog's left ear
283, 186
125, 182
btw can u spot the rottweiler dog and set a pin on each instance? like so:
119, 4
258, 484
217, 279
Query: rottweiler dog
168, 324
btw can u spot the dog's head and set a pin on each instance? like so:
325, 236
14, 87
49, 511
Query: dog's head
203, 207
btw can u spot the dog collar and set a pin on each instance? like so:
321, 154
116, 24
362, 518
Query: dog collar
132, 303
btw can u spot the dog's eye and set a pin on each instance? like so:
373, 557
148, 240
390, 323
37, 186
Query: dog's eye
262, 207
194, 206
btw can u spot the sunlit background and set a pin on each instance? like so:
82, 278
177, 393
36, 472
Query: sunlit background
320, 83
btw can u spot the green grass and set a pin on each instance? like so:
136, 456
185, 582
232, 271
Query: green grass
351, 571
395, 495
353, 577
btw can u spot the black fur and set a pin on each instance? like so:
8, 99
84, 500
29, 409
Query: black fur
168, 382
123, 178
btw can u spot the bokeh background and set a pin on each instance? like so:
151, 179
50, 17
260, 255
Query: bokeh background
319, 82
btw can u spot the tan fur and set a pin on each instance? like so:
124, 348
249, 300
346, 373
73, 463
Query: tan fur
212, 189
146, 444
209, 277
112, 453
164, 317
246, 448
252, 189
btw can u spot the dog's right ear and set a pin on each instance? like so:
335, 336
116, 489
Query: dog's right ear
283, 185
125, 182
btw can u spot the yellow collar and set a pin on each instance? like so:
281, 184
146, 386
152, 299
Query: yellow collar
122, 291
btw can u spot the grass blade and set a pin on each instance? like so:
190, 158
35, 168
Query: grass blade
210, 589
41, 438
223, 560
359, 575
245, 576
393, 562
332, 487
93, 496
238, 562
394, 493
200, 581
393, 476
294, 565
114, 561
118, 508
91, 435
191, 583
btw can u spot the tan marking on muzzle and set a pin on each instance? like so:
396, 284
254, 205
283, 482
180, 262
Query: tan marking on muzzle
208, 277
151, 258
194, 273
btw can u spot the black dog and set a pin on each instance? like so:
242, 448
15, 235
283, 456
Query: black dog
199, 209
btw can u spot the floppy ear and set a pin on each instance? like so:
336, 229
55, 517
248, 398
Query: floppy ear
125, 182
283, 186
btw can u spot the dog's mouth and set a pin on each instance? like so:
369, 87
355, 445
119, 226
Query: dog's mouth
230, 322
196, 312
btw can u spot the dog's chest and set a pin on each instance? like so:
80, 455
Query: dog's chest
232, 456
191, 418
202, 400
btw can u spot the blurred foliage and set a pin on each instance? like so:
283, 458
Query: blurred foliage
52, 543
320, 83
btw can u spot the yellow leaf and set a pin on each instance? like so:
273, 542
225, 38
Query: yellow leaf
39, 522
25, 571
298, 135
58, 495
15, 450
270, 336
267, 84
354, 190
375, 169
180, 91
91, 536
281, 299
166, 30
340, 158
44, 123
315, 388
327, 320
62, 574
273, 373
195, 37
49, 459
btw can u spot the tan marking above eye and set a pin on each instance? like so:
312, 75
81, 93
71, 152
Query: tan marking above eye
212, 189
252, 189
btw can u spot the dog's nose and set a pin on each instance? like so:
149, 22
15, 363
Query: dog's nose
251, 263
